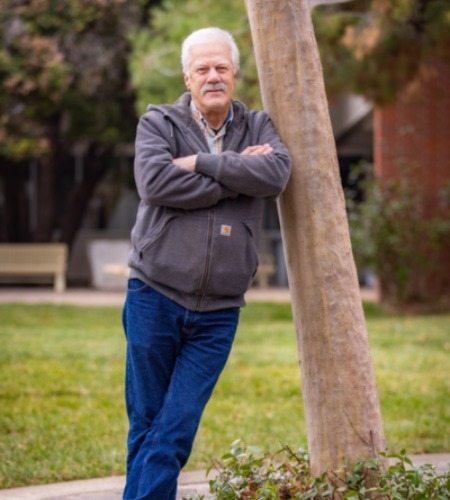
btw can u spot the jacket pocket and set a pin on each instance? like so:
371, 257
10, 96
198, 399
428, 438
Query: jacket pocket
234, 258
175, 256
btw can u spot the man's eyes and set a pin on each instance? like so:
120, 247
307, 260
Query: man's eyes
219, 69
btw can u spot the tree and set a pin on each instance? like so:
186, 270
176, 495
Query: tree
374, 48
64, 85
342, 409
369, 47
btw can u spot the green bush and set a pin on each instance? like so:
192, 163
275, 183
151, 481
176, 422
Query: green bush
248, 472
391, 233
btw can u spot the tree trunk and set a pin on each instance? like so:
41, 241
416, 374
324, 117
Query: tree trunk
342, 409
49, 172
96, 165
47, 185
15, 226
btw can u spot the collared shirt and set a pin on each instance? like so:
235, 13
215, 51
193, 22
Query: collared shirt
213, 138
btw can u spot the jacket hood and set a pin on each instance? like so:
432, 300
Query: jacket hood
177, 111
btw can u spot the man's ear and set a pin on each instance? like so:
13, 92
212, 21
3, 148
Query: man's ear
186, 80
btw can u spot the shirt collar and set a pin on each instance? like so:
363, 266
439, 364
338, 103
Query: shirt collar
198, 117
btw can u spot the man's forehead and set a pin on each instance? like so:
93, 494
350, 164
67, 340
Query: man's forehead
213, 51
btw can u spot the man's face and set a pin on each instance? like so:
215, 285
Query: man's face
211, 77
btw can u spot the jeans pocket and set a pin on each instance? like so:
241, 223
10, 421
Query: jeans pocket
135, 285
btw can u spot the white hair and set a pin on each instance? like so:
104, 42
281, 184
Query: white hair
205, 36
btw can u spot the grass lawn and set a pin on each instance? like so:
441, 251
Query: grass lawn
62, 413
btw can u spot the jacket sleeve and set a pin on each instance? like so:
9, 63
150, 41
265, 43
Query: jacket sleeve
162, 183
259, 176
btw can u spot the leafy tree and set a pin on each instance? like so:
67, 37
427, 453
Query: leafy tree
374, 48
370, 47
64, 83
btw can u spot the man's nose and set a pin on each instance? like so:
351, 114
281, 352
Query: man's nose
213, 75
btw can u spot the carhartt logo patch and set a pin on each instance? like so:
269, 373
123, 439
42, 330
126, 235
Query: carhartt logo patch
225, 230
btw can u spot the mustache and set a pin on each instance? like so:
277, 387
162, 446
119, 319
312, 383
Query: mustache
213, 86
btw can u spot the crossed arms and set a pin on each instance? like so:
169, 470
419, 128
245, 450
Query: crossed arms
202, 180
188, 162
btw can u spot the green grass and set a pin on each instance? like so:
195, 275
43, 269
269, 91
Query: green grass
62, 413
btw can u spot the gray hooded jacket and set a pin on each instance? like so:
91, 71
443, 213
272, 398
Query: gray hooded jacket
196, 233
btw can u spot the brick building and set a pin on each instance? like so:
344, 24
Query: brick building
414, 133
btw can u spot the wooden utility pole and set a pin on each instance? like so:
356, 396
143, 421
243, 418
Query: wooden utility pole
343, 417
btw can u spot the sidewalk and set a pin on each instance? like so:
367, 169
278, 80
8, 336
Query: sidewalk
109, 488
91, 297
190, 482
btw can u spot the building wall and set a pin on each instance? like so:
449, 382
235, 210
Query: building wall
414, 133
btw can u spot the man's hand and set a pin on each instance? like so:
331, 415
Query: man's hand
186, 162
265, 149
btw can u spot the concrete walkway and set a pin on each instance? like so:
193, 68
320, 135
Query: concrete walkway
91, 297
109, 488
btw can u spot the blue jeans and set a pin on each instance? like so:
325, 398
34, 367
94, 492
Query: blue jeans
174, 358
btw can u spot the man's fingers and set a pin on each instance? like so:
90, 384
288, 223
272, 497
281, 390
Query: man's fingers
258, 150
249, 150
266, 149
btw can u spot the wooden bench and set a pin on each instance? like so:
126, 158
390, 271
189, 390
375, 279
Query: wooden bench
31, 260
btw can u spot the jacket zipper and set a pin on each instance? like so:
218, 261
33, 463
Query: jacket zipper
199, 144
204, 283
236, 139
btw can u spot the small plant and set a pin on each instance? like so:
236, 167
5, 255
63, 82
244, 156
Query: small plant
248, 472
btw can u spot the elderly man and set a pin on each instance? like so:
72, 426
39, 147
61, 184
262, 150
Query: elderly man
203, 167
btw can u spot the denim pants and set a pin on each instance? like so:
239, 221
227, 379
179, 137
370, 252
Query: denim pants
174, 358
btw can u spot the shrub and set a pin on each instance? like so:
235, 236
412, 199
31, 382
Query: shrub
248, 472
392, 234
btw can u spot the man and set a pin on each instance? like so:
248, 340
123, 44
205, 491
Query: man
203, 168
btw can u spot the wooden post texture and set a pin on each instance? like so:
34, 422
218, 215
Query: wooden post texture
343, 416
